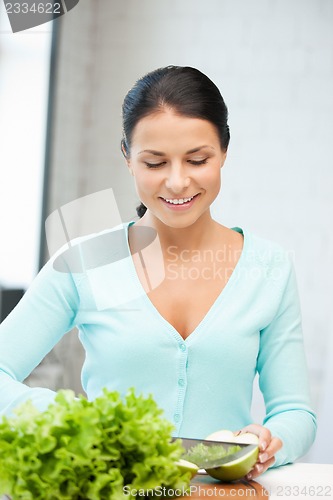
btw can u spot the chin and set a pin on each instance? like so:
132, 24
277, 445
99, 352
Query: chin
176, 222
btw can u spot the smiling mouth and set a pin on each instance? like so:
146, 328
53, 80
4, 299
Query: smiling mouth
179, 201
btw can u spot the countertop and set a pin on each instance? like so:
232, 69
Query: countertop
300, 480
297, 481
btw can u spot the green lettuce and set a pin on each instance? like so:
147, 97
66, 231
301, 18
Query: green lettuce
79, 449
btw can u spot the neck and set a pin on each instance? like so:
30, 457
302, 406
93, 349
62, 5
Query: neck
197, 236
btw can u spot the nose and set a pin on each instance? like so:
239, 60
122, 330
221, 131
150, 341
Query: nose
177, 179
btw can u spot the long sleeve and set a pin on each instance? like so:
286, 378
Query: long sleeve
283, 375
44, 314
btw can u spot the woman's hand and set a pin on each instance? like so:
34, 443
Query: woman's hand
268, 447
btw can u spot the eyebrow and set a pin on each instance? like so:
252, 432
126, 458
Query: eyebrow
159, 153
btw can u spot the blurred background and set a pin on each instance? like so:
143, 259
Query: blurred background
61, 90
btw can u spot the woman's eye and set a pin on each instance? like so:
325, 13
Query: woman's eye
154, 165
198, 162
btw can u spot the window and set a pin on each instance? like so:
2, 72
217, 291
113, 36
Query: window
24, 75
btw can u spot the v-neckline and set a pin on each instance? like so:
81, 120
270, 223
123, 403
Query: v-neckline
212, 308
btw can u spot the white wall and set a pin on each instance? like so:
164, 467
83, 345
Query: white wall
273, 61
24, 70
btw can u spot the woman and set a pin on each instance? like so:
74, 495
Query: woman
189, 314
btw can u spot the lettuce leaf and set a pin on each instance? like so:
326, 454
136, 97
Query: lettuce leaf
201, 453
79, 449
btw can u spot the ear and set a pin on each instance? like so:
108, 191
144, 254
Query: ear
128, 161
123, 148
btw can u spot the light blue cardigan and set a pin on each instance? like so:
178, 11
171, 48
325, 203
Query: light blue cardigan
203, 383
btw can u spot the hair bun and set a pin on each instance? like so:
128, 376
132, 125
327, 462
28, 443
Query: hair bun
141, 210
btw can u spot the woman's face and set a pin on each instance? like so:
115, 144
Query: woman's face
176, 163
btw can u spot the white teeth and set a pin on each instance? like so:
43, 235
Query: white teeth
180, 201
